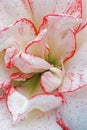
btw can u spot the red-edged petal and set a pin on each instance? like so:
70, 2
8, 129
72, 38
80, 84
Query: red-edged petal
51, 80
10, 52
42, 102
17, 35
16, 103
5, 73
72, 7
36, 120
39, 46
10, 11
74, 110
63, 36
30, 64
75, 68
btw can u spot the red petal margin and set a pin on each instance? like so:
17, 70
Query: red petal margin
72, 29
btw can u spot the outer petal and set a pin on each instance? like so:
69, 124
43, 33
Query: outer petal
73, 113
72, 7
42, 102
62, 36
33, 64
36, 120
17, 35
76, 72
10, 11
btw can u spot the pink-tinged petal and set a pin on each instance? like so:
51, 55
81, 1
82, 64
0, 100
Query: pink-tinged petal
71, 7
42, 102
51, 80
75, 68
5, 117
16, 103
74, 110
39, 46
10, 11
17, 35
63, 36
7, 75
84, 9
32, 63
4, 72
10, 52
36, 120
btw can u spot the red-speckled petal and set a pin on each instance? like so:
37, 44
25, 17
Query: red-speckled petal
73, 113
71, 7
17, 35
30, 64
76, 67
10, 11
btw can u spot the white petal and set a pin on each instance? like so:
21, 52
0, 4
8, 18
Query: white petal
5, 73
10, 52
17, 35
76, 72
39, 121
74, 110
72, 7
51, 80
84, 9
39, 46
16, 103
30, 64
36, 120
62, 36
10, 11
42, 102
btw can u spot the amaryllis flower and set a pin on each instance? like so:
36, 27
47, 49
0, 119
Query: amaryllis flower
42, 65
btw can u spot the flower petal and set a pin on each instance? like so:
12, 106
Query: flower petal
51, 80
74, 110
84, 9
10, 11
17, 35
10, 52
72, 7
5, 73
14, 101
42, 102
63, 36
33, 64
39, 46
76, 72
36, 120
